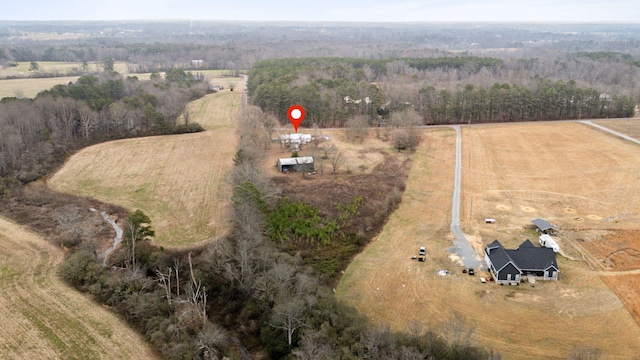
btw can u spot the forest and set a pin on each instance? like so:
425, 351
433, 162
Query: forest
334, 90
266, 289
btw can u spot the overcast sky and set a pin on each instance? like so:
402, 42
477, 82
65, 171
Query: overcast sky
328, 10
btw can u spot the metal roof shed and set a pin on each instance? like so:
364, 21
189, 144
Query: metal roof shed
543, 225
304, 163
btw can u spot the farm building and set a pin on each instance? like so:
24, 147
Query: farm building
508, 266
296, 164
298, 139
543, 226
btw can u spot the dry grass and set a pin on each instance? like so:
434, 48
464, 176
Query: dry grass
513, 173
29, 88
179, 181
627, 287
617, 251
22, 86
43, 318
630, 127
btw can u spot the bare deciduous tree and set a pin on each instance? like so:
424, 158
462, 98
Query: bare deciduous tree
288, 315
327, 149
337, 161
315, 345
458, 330
357, 128
211, 340
88, 119
164, 280
378, 343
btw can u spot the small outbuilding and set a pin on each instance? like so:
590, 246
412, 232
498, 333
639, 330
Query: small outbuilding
543, 226
304, 163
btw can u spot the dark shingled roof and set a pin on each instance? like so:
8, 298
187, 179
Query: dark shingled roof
498, 255
527, 257
533, 258
543, 225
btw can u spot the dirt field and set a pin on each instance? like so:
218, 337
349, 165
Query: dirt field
43, 318
180, 183
568, 173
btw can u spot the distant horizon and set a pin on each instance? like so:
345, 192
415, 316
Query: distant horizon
176, 20
355, 11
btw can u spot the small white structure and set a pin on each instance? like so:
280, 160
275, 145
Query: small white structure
547, 241
489, 221
298, 139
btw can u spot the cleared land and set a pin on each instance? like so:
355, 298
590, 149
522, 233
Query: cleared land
43, 318
19, 85
179, 181
31, 87
568, 173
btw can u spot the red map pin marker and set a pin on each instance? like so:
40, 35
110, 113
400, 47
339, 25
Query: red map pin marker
296, 114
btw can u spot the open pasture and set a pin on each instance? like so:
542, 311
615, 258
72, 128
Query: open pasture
568, 173
30, 87
179, 180
43, 318
20, 85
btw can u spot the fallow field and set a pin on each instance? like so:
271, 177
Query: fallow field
179, 181
577, 177
15, 81
43, 318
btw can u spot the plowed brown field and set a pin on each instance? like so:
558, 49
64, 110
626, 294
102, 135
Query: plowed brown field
43, 318
570, 174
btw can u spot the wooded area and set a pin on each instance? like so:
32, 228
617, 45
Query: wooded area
334, 90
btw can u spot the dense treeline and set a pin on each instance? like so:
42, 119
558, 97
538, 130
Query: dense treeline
333, 90
546, 100
37, 134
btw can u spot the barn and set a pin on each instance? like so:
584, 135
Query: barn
508, 266
304, 163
